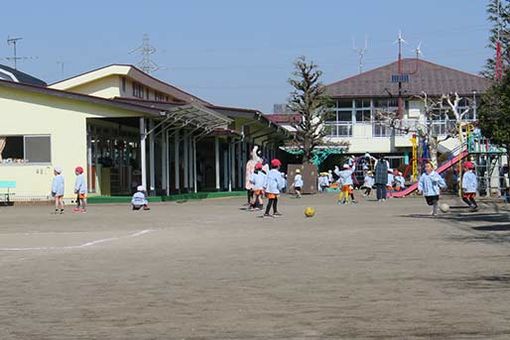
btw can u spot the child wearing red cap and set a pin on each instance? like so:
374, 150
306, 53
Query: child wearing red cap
80, 189
273, 186
469, 186
257, 180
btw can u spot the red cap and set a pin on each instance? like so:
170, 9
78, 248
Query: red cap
78, 169
276, 163
258, 166
469, 165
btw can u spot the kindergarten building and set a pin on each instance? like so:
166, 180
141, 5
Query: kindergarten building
358, 98
126, 128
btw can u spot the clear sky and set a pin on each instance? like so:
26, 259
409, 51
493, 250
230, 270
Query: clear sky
236, 52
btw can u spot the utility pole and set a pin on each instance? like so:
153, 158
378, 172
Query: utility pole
361, 53
146, 50
498, 67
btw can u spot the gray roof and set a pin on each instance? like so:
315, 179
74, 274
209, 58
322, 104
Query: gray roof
424, 76
10, 74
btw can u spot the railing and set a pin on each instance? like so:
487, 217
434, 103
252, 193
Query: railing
339, 129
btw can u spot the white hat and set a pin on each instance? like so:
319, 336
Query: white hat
140, 188
346, 166
58, 169
298, 171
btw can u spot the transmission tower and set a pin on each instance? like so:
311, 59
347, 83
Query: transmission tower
146, 50
14, 43
361, 53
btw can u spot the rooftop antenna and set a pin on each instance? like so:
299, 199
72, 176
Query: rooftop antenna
361, 53
14, 43
146, 50
400, 41
61, 64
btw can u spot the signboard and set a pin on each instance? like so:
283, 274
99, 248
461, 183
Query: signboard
400, 78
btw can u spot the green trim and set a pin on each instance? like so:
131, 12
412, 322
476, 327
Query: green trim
171, 198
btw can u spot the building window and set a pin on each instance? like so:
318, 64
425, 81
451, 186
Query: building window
123, 84
138, 90
147, 94
344, 103
344, 116
25, 149
160, 97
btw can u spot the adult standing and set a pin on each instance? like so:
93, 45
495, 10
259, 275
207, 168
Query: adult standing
250, 169
381, 178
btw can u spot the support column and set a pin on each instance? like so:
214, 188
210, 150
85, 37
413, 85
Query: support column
194, 145
191, 178
151, 159
176, 160
89, 159
185, 154
239, 154
217, 161
231, 159
143, 156
167, 161
164, 156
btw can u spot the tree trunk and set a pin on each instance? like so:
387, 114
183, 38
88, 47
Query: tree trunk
433, 144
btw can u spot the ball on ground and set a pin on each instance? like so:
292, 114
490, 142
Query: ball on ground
444, 207
309, 212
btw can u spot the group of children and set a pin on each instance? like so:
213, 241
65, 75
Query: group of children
267, 184
138, 200
80, 189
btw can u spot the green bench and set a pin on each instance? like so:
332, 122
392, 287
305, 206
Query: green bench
6, 187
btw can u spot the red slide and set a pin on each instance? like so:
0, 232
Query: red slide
445, 166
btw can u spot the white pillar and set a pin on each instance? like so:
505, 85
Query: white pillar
185, 154
151, 159
194, 145
231, 158
167, 161
176, 160
191, 179
143, 156
239, 154
164, 156
217, 161
89, 159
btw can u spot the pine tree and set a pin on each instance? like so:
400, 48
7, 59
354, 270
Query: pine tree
309, 100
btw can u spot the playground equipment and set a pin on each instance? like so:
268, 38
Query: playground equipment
318, 155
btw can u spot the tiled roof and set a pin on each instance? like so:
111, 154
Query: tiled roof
424, 76
20, 77
282, 118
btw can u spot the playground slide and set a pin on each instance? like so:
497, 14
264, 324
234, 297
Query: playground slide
445, 166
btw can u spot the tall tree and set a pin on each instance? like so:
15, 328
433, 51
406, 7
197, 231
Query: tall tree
309, 100
494, 113
498, 14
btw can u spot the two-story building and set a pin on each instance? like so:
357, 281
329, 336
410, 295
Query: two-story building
358, 98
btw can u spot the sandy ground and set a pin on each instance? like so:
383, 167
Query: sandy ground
208, 270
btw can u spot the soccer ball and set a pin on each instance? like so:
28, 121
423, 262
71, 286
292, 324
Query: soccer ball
444, 207
309, 212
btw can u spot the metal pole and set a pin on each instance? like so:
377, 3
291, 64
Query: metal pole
176, 160
185, 154
194, 144
167, 161
164, 156
217, 161
143, 159
151, 160
232, 165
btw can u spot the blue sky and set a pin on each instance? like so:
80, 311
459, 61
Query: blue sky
240, 53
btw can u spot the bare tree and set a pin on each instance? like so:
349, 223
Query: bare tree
424, 127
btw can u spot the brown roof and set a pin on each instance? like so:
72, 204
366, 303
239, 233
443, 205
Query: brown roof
284, 118
424, 76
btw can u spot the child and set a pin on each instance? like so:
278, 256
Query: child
368, 183
273, 186
80, 189
391, 178
298, 183
138, 200
400, 181
347, 185
323, 181
469, 186
430, 184
57, 189
257, 179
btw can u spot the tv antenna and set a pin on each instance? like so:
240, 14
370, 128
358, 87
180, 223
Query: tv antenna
61, 63
14, 43
146, 50
361, 53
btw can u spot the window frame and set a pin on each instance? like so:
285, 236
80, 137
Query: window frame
25, 162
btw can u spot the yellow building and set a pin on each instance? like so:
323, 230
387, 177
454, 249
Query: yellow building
125, 128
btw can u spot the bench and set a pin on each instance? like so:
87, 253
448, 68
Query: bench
9, 185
